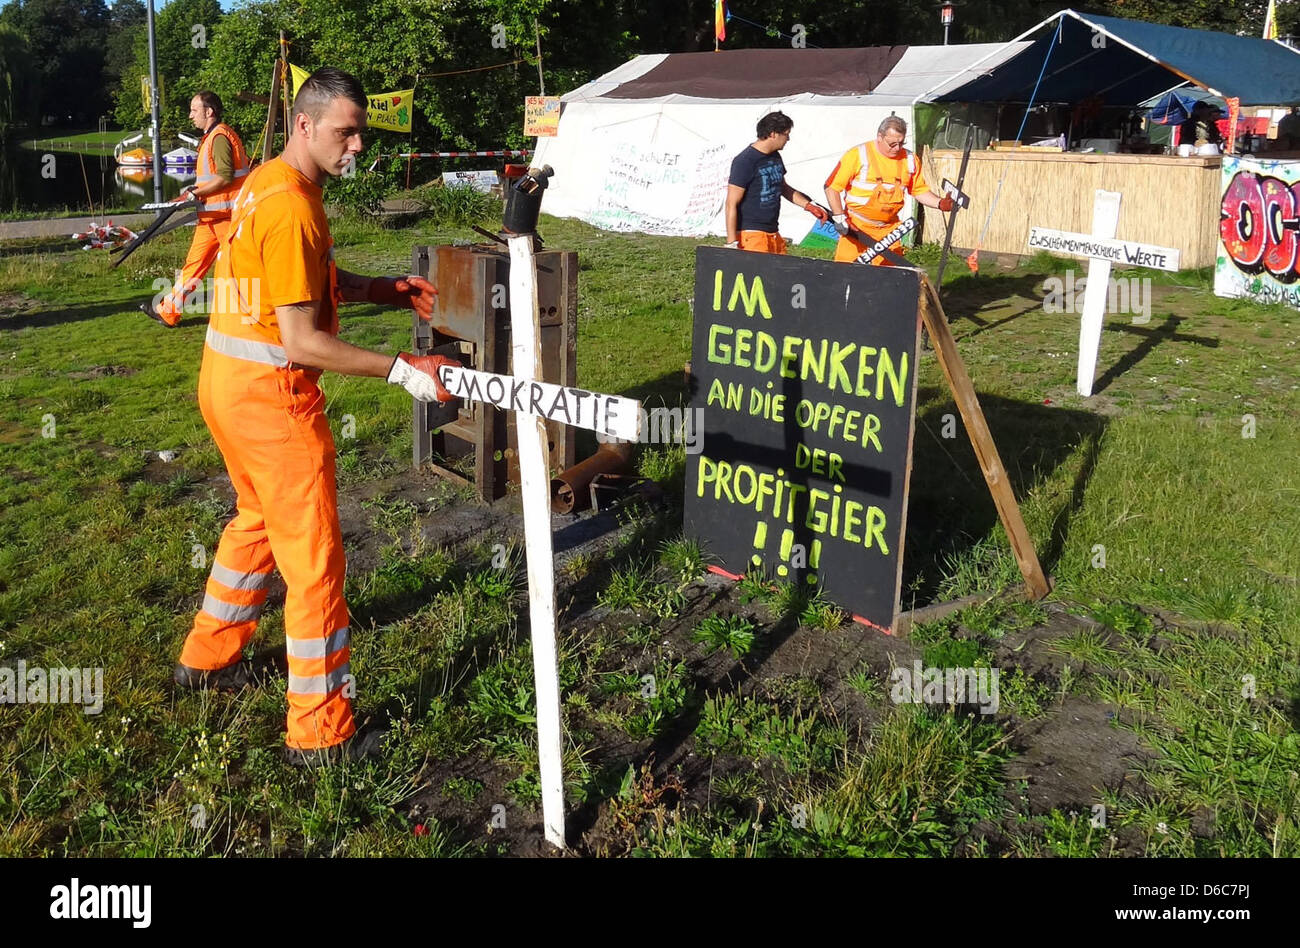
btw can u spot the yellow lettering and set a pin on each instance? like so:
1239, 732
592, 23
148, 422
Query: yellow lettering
834, 462
839, 374
869, 433
852, 518
717, 290
708, 470
764, 352
743, 340
719, 352
750, 298
876, 529
817, 363
816, 519
865, 353
789, 356
896, 379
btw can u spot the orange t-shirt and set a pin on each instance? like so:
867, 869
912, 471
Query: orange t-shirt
284, 243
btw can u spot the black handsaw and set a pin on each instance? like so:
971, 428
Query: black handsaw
166, 215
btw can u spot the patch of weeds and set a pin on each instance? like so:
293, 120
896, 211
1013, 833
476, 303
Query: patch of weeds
664, 694
1122, 617
737, 786
462, 788
620, 683
1087, 645
718, 632
628, 588
502, 694
684, 558
641, 634
954, 653
1072, 835
800, 741
580, 565
753, 587
927, 633
819, 613
666, 466
1023, 695
868, 685
395, 516
793, 691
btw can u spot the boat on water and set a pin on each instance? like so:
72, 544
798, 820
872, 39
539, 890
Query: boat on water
180, 158
135, 158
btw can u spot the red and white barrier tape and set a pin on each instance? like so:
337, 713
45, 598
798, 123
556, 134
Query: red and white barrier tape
452, 154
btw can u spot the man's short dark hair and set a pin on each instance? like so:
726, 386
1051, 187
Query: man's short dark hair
777, 122
211, 101
324, 86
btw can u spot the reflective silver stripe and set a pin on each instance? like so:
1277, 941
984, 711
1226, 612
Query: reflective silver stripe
240, 172
246, 349
316, 648
227, 612
217, 206
237, 580
319, 684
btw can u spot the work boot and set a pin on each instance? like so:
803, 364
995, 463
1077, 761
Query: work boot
234, 677
148, 310
231, 678
366, 743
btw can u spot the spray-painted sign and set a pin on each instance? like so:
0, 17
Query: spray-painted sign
541, 115
804, 373
1259, 231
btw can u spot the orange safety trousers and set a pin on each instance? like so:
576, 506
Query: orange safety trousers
761, 241
848, 249
267, 417
203, 252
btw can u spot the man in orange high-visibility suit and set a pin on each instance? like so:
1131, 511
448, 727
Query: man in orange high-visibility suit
867, 188
272, 330
220, 170
755, 188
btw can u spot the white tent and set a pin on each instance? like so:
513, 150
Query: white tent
648, 146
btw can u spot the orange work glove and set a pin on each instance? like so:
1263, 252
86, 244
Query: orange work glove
945, 204
817, 211
413, 291
419, 376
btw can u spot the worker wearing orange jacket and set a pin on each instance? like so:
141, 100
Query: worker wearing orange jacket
866, 190
220, 169
272, 330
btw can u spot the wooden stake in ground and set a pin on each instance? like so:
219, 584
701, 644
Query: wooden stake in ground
995, 475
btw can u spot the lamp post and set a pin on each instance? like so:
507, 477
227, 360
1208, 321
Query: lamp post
155, 122
945, 17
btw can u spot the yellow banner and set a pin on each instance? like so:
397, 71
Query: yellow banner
392, 111
541, 115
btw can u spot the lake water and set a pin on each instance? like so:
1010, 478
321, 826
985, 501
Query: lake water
30, 182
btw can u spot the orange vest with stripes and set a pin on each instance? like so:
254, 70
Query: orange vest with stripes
870, 196
234, 329
217, 205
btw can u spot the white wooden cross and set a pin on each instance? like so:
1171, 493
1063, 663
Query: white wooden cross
1102, 249
611, 415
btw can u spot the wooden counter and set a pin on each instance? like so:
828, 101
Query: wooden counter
1168, 201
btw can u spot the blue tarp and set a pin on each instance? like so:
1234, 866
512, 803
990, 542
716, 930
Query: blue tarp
1173, 108
1126, 61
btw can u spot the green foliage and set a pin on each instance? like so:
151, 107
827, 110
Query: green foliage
459, 206
666, 695
717, 632
364, 191
684, 558
953, 653
1122, 617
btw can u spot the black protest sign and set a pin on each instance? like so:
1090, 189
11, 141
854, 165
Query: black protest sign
805, 375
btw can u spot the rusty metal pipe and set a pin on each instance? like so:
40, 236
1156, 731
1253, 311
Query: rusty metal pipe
569, 491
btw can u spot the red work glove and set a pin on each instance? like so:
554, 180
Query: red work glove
413, 291
419, 376
817, 211
945, 204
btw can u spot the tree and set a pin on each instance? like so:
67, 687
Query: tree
184, 33
67, 40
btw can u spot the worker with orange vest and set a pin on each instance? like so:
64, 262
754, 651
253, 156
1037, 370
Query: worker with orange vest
867, 189
220, 170
270, 335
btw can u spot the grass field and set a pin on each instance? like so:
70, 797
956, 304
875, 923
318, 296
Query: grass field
1161, 678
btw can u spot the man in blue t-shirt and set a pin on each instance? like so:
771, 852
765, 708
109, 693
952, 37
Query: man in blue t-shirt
756, 186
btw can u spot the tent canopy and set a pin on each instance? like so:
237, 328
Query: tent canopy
1126, 61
